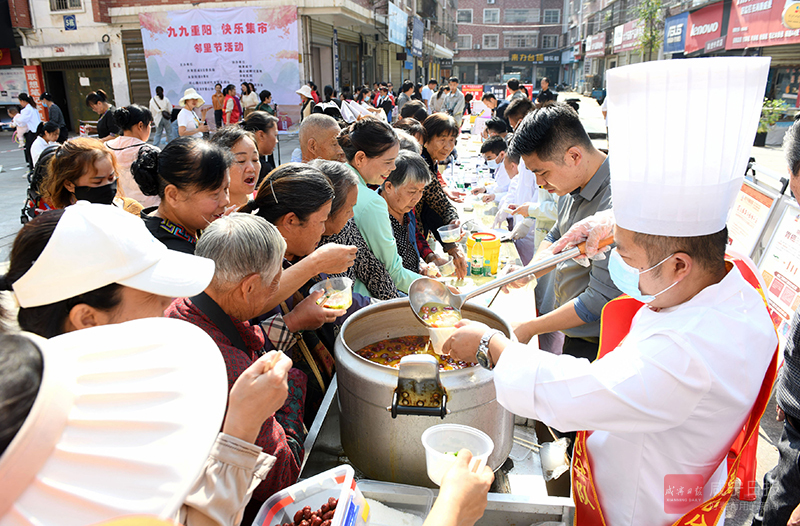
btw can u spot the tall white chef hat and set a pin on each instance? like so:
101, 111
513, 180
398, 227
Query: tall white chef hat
680, 134
123, 422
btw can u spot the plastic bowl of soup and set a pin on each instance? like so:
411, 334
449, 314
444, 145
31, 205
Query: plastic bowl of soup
337, 292
448, 268
450, 233
443, 442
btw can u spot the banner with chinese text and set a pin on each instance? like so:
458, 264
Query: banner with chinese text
201, 47
704, 25
626, 36
596, 45
759, 23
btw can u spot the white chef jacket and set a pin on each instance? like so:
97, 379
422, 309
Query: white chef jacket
669, 400
501, 183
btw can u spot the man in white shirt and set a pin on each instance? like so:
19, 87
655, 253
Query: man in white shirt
454, 102
158, 104
427, 92
665, 406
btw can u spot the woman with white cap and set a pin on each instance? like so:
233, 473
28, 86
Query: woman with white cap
306, 101
75, 270
189, 124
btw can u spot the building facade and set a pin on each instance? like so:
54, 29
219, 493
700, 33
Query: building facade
83, 45
503, 39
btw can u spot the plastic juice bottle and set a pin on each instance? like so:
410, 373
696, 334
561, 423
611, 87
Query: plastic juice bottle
477, 261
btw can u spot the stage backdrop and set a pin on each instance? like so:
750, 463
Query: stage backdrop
201, 47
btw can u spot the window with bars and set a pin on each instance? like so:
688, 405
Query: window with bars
491, 16
464, 41
521, 16
549, 41
520, 40
491, 41
64, 5
464, 16
552, 16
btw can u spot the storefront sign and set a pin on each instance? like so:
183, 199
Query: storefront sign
534, 58
704, 25
596, 45
626, 36
200, 47
714, 45
749, 216
577, 50
12, 83
759, 23
446, 63
417, 36
398, 25
779, 268
675, 33
35, 83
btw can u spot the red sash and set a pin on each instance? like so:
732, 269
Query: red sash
620, 312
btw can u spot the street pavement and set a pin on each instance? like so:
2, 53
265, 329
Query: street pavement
14, 185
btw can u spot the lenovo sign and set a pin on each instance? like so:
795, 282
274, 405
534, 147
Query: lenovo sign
704, 25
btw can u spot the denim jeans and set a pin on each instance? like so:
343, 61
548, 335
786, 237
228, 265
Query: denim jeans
164, 126
782, 483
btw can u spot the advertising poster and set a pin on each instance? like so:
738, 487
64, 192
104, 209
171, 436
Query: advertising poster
626, 36
201, 47
759, 23
528, 89
12, 83
704, 25
675, 33
475, 89
779, 269
417, 37
33, 78
398, 25
748, 217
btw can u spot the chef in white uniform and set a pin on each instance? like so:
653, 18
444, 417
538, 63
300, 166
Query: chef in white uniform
670, 399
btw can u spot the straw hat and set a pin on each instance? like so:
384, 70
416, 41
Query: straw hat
305, 91
122, 424
191, 94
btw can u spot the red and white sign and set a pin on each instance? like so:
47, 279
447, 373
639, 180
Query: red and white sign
35, 82
760, 23
626, 36
704, 25
475, 89
528, 90
596, 45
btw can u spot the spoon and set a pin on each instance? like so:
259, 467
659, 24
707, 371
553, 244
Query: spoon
426, 290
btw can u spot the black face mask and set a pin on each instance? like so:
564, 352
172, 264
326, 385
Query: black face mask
102, 195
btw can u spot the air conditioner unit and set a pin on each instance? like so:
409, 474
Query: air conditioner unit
490, 1
427, 25
476, 46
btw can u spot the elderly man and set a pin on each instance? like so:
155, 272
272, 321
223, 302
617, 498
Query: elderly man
781, 497
318, 135
247, 251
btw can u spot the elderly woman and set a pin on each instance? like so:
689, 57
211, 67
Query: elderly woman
247, 252
90, 265
83, 169
402, 191
246, 163
367, 271
191, 178
265, 129
435, 209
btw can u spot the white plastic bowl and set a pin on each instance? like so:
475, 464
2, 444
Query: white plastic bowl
448, 268
339, 290
450, 233
443, 441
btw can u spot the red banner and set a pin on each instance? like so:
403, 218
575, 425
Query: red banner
5, 57
704, 25
528, 90
760, 23
33, 77
596, 45
475, 89
626, 36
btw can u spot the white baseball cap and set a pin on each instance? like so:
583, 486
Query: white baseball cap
95, 245
123, 422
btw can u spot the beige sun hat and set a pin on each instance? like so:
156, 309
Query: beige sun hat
123, 423
191, 94
305, 91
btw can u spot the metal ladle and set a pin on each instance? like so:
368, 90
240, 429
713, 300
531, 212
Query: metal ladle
426, 290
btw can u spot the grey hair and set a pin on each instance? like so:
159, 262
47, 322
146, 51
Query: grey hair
409, 167
408, 141
315, 124
791, 148
241, 245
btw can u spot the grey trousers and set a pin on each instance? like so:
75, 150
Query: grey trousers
782, 483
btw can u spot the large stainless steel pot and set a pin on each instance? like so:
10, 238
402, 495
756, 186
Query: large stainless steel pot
390, 449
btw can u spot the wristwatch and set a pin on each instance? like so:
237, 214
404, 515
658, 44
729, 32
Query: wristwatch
482, 356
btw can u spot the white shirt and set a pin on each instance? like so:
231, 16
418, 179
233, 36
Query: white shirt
29, 116
249, 101
501, 182
38, 147
426, 93
157, 106
669, 400
190, 121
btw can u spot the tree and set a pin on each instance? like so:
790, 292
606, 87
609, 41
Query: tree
651, 15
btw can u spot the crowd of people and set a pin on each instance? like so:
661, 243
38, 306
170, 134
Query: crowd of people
207, 230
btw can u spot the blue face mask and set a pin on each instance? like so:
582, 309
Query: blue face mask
626, 278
